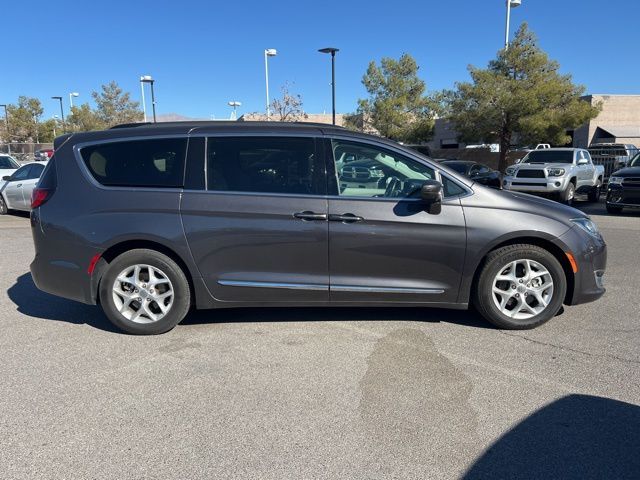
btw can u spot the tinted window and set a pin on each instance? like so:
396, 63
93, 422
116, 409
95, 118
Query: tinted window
549, 156
36, 171
450, 188
367, 171
264, 165
22, 173
138, 163
7, 162
458, 167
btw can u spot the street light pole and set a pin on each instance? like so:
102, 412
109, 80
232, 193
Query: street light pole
6, 122
71, 95
332, 51
148, 79
61, 112
235, 105
144, 106
510, 4
269, 52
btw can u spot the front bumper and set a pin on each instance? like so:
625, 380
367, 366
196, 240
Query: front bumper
623, 196
590, 254
536, 185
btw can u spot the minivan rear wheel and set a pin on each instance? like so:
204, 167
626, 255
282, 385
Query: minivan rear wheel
520, 287
144, 292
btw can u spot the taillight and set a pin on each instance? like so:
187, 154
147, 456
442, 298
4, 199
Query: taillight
39, 197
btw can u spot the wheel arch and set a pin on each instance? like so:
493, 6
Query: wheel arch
119, 248
553, 248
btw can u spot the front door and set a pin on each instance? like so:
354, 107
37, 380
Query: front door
258, 231
384, 246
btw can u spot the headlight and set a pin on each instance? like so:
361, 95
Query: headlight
615, 180
588, 226
555, 172
510, 171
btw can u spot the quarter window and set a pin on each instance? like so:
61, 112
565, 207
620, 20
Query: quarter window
368, 171
138, 163
286, 165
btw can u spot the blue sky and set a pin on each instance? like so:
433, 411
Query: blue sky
205, 53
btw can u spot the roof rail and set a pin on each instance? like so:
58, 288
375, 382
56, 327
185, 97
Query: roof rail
207, 123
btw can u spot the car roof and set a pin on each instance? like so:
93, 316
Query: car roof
213, 127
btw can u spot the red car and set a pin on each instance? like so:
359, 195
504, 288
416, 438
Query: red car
43, 155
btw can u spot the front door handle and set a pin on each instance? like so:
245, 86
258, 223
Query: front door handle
345, 217
307, 215
18, 185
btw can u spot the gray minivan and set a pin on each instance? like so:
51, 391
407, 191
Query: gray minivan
149, 220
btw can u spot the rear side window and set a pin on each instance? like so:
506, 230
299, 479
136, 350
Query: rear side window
138, 163
264, 165
36, 171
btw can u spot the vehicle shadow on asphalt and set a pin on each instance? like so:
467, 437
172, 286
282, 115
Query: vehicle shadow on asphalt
575, 437
35, 303
38, 304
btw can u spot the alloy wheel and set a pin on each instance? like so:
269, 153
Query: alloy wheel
522, 289
143, 293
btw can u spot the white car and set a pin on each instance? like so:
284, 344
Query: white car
8, 165
15, 192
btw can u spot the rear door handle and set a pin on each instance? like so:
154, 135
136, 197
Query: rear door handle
306, 215
18, 185
345, 217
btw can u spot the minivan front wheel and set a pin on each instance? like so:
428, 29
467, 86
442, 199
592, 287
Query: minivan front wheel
144, 292
520, 287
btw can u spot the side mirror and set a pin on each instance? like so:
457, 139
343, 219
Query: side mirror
431, 194
6, 178
583, 161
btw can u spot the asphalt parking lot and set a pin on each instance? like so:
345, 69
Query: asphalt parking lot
320, 393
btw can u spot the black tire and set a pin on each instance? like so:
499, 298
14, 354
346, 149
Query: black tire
179, 282
482, 295
613, 209
567, 196
3, 206
594, 193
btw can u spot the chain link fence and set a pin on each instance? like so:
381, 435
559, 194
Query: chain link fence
24, 152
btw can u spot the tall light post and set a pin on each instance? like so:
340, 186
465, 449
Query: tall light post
235, 105
148, 79
71, 95
6, 122
269, 52
55, 120
332, 51
61, 111
510, 4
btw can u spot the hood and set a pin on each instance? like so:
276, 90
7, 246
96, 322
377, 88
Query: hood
518, 201
627, 172
542, 165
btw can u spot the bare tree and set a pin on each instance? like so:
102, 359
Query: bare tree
288, 108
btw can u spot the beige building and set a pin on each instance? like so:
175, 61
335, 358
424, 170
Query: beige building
310, 117
618, 122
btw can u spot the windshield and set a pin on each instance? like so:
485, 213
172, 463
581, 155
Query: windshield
458, 167
8, 162
608, 150
635, 162
549, 156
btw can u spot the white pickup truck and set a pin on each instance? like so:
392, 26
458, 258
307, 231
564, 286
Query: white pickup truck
558, 172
